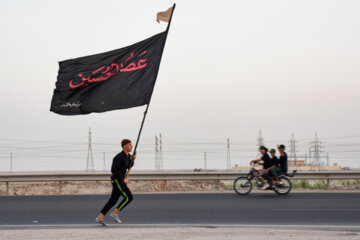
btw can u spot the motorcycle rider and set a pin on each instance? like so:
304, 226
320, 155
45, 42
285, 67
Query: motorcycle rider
282, 165
274, 172
273, 156
283, 161
268, 164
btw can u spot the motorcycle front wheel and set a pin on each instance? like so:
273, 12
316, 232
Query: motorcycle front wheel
242, 186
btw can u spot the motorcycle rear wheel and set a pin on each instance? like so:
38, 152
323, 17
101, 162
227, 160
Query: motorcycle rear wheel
283, 189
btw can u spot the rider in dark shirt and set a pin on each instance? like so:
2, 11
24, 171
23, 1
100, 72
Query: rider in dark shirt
283, 161
282, 164
266, 160
268, 164
273, 159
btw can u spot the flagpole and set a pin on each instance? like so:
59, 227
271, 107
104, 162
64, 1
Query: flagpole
147, 106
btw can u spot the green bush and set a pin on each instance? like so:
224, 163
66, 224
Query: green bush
300, 184
305, 184
319, 185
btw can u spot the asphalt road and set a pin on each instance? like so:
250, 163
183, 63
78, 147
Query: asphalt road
339, 209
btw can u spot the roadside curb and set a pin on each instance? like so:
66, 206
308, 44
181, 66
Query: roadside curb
115, 226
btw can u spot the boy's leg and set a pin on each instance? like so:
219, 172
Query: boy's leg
126, 193
266, 184
115, 194
262, 179
274, 172
261, 173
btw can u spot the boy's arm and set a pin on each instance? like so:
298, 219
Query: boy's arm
257, 160
132, 160
267, 170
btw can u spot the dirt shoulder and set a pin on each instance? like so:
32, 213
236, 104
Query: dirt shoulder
104, 187
206, 233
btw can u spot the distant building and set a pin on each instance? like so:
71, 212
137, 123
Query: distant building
301, 165
240, 168
295, 165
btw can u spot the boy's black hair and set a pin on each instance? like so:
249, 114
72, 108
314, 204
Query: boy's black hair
124, 142
263, 147
282, 146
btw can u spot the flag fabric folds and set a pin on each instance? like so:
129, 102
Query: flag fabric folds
117, 79
164, 16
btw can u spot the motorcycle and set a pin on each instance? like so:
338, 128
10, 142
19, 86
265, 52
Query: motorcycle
244, 185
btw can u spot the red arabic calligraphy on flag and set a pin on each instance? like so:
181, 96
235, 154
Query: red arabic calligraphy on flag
118, 79
108, 71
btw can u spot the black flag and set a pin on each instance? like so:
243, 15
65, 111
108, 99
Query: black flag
118, 79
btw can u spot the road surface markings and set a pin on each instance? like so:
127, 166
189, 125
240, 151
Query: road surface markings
314, 209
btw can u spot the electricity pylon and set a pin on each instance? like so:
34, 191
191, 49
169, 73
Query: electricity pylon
104, 163
205, 161
156, 163
90, 160
293, 150
315, 147
11, 162
260, 142
228, 159
160, 154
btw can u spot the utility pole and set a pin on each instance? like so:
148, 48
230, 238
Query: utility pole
156, 163
11, 162
90, 160
327, 160
205, 161
104, 165
306, 158
293, 150
260, 142
161, 154
228, 159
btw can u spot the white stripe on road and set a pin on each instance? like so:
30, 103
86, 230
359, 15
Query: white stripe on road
315, 209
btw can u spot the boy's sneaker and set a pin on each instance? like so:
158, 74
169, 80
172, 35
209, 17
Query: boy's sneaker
101, 221
266, 186
115, 217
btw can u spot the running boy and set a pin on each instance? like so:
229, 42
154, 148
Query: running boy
121, 163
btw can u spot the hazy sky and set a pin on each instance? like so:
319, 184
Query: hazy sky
229, 69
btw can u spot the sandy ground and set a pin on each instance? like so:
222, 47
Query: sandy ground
104, 187
223, 233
